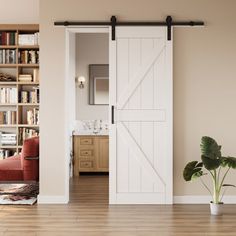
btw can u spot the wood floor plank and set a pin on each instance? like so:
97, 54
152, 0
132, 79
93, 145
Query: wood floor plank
88, 214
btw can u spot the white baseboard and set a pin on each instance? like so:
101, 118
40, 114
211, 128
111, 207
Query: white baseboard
186, 199
201, 199
42, 199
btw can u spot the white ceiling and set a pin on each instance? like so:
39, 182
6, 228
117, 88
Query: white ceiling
19, 11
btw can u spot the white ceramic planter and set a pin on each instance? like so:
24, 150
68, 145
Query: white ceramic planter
216, 209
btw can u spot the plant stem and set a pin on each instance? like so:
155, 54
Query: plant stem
205, 185
218, 177
211, 174
216, 190
222, 195
222, 181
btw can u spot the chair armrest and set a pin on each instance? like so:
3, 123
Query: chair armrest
31, 158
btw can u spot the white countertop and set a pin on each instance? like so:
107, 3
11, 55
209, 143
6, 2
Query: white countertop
91, 127
90, 132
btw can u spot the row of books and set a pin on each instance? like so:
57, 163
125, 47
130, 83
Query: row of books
29, 56
7, 117
7, 38
25, 133
34, 77
8, 139
5, 153
30, 96
8, 95
7, 56
28, 39
10, 38
32, 116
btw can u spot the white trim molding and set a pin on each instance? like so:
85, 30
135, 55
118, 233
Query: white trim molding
52, 199
201, 199
69, 46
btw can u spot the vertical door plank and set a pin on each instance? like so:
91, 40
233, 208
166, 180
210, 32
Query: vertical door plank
134, 103
147, 103
122, 82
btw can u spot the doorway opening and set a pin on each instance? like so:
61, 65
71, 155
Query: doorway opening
89, 162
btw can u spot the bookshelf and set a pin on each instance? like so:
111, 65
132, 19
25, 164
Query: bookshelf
19, 86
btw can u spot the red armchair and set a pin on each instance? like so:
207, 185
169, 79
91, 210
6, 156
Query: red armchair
23, 167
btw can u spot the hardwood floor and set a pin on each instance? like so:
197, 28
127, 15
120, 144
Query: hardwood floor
88, 214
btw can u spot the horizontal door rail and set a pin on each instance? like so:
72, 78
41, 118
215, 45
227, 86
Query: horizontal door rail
169, 23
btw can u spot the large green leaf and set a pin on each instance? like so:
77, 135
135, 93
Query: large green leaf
211, 153
192, 170
228, 185
210, 164
197, 175
210, 148
229, 161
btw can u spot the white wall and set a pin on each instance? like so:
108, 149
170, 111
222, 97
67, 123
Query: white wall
90, 49
204, 79
19, 11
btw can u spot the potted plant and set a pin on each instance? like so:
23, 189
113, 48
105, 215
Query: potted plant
212, 164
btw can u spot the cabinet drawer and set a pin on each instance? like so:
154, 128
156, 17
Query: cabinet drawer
86, 141
86, 164
86, 153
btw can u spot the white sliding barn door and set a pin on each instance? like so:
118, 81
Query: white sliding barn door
141, 136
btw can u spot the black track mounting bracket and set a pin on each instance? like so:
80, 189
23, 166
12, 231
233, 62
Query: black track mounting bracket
113, 28
169, 27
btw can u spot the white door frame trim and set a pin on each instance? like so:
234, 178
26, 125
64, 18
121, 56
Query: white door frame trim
112, 143
68, 129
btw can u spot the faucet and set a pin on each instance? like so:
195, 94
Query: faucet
100, 125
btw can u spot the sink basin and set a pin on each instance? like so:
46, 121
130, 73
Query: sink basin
91, 127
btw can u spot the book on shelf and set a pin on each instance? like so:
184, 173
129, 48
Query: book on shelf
7, 38
33, 97
8, 95
28, 56
8, 142
25, 133
7, 56
30, 96
25, 78
28, 39
24, 96
32, 116
7, 135
8, 117
36, 75
8, 138
5, 153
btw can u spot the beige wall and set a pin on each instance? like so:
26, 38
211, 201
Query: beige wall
90, 49
204, 78
19, 12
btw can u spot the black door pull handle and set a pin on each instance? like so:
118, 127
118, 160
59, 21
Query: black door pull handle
112, 115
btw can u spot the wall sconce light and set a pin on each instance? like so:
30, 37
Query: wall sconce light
81, 81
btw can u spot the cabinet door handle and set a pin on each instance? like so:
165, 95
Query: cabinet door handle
112, 114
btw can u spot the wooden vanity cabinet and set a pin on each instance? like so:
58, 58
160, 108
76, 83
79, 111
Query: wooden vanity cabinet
91, 153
